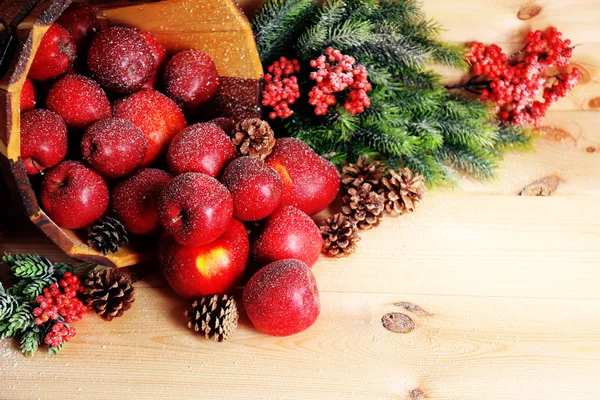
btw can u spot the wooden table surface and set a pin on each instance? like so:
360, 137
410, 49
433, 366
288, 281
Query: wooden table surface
503, 290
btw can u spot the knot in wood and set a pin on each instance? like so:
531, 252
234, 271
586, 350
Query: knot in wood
398, 322
529, 11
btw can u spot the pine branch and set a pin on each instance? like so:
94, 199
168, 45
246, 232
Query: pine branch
8, 304
30, 341
19, 321
276, 24
54, 350
28, 265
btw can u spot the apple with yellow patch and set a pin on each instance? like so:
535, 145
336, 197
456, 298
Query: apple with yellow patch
214, 268
310, 183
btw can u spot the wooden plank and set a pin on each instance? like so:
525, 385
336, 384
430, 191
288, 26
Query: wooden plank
466, 348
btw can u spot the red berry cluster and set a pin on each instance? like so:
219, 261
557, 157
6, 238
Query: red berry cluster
336, 73
281, 87
60, 300
60, 332
518, 86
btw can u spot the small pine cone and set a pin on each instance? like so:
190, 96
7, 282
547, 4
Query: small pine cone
340, 236
108, 293
106, 235
354, 175
402, 191
215, 316
363, 206
253, 137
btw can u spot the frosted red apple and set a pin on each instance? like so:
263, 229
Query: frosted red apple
79, 100
310, 182
74, 195
214, 268
114, 147
120, 59
54, 56
158, 117
282, 298
195, 209
44, 140
191, 77
202, 148
81, 22
135, 200
288, 233
255, 187
158, 52
28, 96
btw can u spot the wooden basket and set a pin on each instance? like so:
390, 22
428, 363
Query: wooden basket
214, 26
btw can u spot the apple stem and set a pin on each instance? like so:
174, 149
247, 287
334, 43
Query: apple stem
35, 165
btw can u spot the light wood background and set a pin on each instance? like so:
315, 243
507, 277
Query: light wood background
508, 286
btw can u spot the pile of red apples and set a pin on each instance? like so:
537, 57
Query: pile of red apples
112, 138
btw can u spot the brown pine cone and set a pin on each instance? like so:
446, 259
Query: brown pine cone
354, 175
253, 137
107, 234
363, 206
214, 316
108, 293
402, 191
340, 236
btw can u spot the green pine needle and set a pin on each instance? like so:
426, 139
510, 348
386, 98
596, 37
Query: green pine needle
28, 265
30, 341
412, 121
54, 350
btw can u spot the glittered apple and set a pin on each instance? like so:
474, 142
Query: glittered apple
310, 182
214, 268
54, 56
288, 233
195, 209
282, 298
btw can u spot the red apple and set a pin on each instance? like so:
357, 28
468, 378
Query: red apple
310, 182
195, 209
227, 124
81, 22
214, 268
27, 96
54, 56
191, 77
159, 53
282, 298
44, 140
120, 59
135, 200
202, 148
79, 100
156, 115
288, 233
73, 195
255, 187
114, 147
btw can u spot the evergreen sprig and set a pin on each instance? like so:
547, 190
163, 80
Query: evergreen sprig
31, 273
413, 120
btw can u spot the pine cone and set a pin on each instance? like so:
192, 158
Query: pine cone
106, 235
340, 236
108, 293
253, 137
215, 316
402, 191
354, 175
363, 206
